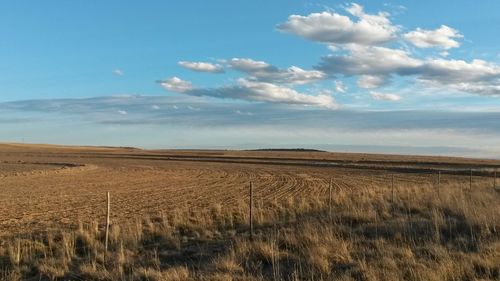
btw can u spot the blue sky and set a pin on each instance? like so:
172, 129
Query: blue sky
402, 76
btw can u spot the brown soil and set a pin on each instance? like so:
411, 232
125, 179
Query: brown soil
46, 187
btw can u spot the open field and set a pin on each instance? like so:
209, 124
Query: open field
183, 215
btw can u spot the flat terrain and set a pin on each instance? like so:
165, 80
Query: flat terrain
45, 187
184, 215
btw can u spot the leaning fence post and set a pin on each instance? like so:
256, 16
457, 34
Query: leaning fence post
251, 210
107, 225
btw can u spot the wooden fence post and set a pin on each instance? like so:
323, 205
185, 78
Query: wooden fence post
439, 184
495, 179
330, 198
392, 191
107, 225
470, 180
251, 210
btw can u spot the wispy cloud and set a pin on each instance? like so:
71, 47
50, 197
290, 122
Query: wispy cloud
459, 131
251, 91
118, 72
264, 72
176, 84
202, 66
384, 96
340, 87
221, 114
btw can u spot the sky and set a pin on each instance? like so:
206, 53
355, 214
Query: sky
417, 77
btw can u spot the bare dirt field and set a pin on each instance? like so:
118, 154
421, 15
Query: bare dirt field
49, 186
48, 189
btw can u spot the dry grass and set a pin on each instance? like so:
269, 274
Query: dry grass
189, 221
421, 237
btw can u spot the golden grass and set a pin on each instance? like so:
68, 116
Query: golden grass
422, 236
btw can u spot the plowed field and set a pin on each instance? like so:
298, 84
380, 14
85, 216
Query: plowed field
46, 187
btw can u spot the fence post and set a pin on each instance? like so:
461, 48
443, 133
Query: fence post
251, 210
439, 184
495, 179
107, 225
470, 180
392, 191
330, 198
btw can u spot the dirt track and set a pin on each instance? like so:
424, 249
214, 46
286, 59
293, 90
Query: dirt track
43, 187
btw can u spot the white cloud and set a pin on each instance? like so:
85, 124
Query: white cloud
249, 65
261, 91
370, 81
458, 71
175, 84
355, 39
475, 77
369, 60
155, 107
202, 66
375, 65
247, 113
252, 91
442, 37
328, 27
122, 112
485, 89
340, 87
333, 48
444, 53
118, 72
262, 71
193, 108
385, 97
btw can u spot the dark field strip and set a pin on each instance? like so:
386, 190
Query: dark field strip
430, 167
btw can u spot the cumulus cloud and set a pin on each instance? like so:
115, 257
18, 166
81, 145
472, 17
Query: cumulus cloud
357, 41
443, 37
375, 65
384, 96
481, 88
250, 90
202, 66
459, 71
369, 60
371, 81
175, 84
262, 71
476, 77
119, 72
329, 27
